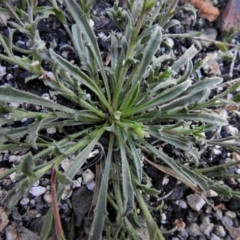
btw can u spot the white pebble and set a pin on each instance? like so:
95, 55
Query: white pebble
77, 183
13, 176
46, 96
51, 130
24, 120
217, 151
230, 214
195, 201
2, 71
37, 191
91, 185
15, 158
14, 104
47, 197
24, 201
65, 54
170, 42
88, 176
36, 183
91, 22
65, 164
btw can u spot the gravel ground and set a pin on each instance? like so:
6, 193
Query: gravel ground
193, 217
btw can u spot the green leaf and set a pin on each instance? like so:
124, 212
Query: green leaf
79, 76
136, 156
221, 46
83, 25
100, 209
27, 165
10, 94
127, 186
163, 97
189, 175
62, 177
184, 102
177, 141
33, 130
149, 50
207, 83
131, 97
189, 54
236, 98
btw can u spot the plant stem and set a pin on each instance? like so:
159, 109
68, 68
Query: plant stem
153, 229
58, 225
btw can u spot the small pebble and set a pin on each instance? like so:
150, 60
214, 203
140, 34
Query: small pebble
65, 54
219, 214
195, 201
36, 183
227, 221
184, 234
220, 231
77, 183
51, 130
88, 176
47, 197
24, 201
91, 185
14, 104
37, 191
230, 214
46, 96
194, 230
170, 42
2, 71
214, 237
15, 158
182, 204
208, 229
65, 164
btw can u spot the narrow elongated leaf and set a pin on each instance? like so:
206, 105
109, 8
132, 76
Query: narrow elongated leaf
81, 158
83, 24
184, 102
207, 83
137, 159
100, 210
79, 75
149, 51
189, 54
183, 171
187, 73
177, 141
200, 116
33, 130
10, 94
130, 97
62, 177
165, 96
128, 192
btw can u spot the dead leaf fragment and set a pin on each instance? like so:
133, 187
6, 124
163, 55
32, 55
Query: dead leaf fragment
3, 219
220, 206
206, 9
4, 17
211, 67
180, 224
